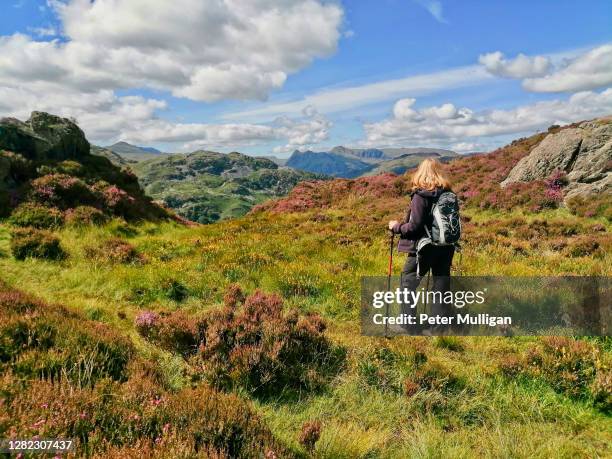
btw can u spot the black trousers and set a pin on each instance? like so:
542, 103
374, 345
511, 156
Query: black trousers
439, 261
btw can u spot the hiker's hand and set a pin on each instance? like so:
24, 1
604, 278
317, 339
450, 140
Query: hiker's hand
392, 223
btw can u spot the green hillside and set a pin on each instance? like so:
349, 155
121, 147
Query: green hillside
134, 153
206, 186
242, 338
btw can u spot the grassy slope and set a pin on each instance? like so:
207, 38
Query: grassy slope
490, 415
314, 258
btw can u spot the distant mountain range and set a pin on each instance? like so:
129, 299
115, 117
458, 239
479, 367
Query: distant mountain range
134, 153
355, 162
327, 163
206, 186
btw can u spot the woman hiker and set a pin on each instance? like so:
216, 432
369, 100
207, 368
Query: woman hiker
428, 183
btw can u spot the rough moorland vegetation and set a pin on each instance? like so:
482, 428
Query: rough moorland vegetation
185, 367
64, 376
476, 180
48, 174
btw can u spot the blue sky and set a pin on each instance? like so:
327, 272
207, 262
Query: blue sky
273, 76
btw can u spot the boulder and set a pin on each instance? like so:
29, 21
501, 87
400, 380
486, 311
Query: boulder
42, 137
584, 152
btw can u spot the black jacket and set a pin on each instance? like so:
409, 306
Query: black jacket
417, 217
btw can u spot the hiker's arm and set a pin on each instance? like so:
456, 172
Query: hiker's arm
414, 227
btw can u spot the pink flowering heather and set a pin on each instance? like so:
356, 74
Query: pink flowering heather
61, 190
554, 184
146, 321
115, 196
554, 194
556, 180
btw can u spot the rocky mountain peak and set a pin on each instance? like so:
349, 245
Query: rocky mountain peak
43, 136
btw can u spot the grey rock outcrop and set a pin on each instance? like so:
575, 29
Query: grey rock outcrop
43, 136
583, 152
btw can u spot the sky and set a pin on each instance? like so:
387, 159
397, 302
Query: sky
267, 77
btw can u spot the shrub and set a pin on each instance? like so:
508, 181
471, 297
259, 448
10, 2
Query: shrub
115, 250
70, 167
138, 418
5, 201
434, 375
63, 191
597, 205
177, 333
20, 169
601, 390
65, 376
234, 296
511, 366
310, 434
85, 215
146, 323
582, 247
120, 202
36, 216
261, 349
30, 242
567, 364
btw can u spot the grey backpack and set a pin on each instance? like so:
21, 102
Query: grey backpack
446, 224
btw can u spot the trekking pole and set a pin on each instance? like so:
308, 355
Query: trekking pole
389, 272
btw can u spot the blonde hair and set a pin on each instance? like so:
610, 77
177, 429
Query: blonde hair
429, 176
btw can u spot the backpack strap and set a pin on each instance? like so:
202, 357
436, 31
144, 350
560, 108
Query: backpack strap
434, 201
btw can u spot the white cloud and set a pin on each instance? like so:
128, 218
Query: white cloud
578, 71
302, 132
435, 9
446, 125
341, 99
402, 110
520, 67
206, 50
106, 118
469, 147
48, 31
590, 70
101, 114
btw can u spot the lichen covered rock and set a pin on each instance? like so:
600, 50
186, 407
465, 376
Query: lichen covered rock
43, 136
583, 152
